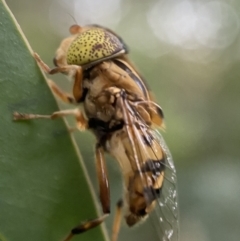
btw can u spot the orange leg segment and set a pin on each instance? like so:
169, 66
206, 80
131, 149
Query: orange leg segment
73, 71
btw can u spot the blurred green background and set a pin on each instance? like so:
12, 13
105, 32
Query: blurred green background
189, 52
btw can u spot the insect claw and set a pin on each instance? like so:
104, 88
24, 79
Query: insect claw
20, 116
16, 116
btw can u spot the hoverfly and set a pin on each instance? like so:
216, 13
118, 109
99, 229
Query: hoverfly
119, 109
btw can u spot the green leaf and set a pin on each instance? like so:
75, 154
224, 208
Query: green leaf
44, 190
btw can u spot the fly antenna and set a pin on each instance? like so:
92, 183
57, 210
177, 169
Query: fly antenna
73, 18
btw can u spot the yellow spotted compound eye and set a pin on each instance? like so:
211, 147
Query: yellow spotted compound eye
93, 46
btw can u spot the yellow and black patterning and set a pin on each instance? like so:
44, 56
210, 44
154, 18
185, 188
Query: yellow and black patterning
119, 109
93, 45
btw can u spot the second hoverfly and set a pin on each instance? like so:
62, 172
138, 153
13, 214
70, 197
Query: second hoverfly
119, 110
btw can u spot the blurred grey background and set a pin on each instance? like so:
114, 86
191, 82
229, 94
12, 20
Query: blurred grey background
189, 52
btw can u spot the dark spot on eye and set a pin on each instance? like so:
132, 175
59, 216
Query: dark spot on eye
96, 47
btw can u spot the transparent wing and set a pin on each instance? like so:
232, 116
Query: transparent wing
149, 145
167, 209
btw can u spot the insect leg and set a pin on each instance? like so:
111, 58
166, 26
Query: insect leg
117, 220
85, 227
104, 196
102, 179
73, 71
65, 97
81, 121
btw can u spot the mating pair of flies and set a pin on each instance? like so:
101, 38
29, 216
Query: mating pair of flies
114, 102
